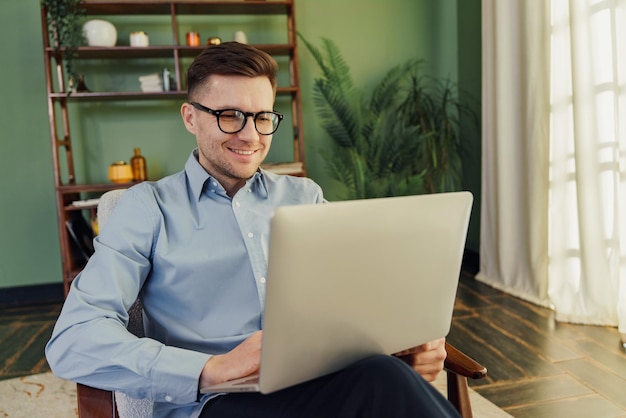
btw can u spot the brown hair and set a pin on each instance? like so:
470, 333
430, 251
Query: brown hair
230, 58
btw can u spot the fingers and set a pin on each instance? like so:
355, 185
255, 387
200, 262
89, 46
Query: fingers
426, 359
246, 357
241, 361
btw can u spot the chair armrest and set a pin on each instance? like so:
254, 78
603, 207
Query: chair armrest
95, 403
461, 364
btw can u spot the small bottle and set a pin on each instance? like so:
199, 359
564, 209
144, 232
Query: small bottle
138, 165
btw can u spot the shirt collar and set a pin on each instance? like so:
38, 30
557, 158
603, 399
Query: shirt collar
258, 182
198, 178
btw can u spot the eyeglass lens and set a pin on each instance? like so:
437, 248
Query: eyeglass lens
232, 121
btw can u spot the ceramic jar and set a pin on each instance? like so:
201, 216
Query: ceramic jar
139, 38
214, 40
100, 32
120, 172
240, 36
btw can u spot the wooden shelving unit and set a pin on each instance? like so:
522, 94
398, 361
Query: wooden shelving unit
68, 188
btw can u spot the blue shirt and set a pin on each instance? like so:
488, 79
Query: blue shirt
198, 261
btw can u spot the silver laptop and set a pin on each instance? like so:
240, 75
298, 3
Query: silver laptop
347, 280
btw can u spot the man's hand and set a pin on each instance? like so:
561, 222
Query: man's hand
426, 359
241, 361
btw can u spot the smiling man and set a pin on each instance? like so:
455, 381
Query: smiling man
230, 148
193, 248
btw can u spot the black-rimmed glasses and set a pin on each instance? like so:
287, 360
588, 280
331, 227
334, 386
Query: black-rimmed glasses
231, 121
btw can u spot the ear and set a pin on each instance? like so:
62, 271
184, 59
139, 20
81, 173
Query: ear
188, 114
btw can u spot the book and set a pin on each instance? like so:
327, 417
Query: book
293, 168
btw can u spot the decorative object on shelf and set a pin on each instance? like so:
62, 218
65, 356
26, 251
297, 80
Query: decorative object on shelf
64, 26
214, 40
138, 165
293, 168
86, 203
240, 36
151, 83
76, 84
81, 87
120, 172
167, 80
99, 32
139, 38
404, 140
193, 39
71, 85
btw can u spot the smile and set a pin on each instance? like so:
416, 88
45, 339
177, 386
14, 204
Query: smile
242, 152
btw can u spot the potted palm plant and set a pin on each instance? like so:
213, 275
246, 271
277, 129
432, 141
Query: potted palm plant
403, 139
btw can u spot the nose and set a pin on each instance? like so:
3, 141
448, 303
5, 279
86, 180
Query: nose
249, 131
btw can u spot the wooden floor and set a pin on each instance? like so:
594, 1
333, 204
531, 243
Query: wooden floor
537, 367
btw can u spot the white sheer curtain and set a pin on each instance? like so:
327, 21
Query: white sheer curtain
553, 224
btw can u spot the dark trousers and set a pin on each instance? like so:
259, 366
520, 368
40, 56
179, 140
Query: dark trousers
377, 387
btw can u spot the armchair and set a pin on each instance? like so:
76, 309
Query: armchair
98, 403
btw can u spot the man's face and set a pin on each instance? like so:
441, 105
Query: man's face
230, 158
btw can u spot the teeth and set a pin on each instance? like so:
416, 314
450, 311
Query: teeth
242, 152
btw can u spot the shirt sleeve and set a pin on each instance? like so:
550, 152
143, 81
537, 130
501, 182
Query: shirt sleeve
90, 343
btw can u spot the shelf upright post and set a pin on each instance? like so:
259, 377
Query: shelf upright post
55, 53
176, 39
294, 77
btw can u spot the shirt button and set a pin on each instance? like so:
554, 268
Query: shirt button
168, 398
250, 235
262, 280
237, 204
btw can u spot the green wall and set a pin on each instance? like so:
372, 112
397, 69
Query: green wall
373, 36
29, 249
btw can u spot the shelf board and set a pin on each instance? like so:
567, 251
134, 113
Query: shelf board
258, 7
292, 168
99, 187
130, 52
139, 95
157, 51
155, 7
119, 95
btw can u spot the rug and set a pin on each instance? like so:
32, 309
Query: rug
38, 396
46, 396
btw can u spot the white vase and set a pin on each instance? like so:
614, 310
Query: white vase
99, 32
